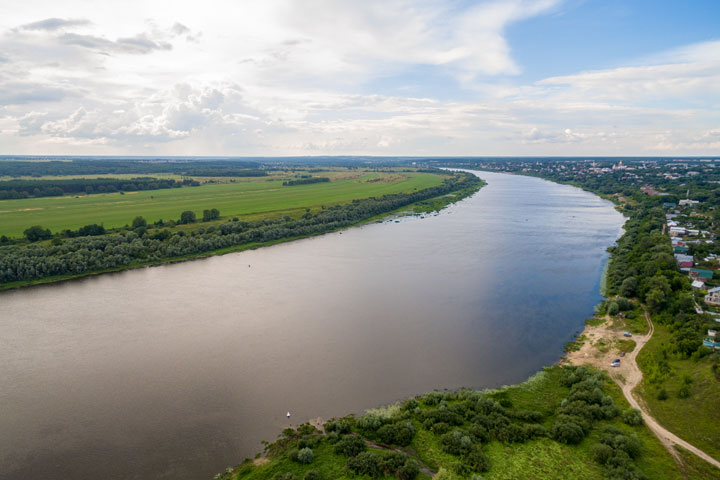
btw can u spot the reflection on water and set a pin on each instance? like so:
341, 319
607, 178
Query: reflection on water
181, 370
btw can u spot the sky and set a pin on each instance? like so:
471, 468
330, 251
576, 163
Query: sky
377, 77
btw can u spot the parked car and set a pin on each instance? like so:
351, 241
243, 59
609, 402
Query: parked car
615, 363
627, 334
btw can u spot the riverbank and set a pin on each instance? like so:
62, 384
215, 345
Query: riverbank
426, 203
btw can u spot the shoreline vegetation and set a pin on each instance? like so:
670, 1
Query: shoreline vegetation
566, 422
142, 245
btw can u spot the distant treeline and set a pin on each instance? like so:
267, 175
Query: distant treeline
305, 181
96, 253
230, 172
11, 189
22, 168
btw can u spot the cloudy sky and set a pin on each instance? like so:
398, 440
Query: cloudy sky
377, 77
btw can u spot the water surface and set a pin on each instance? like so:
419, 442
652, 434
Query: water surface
181, 370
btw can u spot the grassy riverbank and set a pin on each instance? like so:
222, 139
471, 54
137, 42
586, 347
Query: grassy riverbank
146, 246
518, 431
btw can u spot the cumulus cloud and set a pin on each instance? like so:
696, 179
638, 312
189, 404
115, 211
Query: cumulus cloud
285, 77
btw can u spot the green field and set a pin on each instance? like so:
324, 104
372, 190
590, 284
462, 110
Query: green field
251, 199
695, 419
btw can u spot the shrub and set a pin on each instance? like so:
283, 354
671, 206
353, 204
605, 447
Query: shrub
662, 394
305, 456
350, 445
36, 232
365, 463
632, 417
188, 216
613, 308
477, 460
341, 425
410, 405
601, 453
313, 475
369, 422
409, 471
139, 222
568, 432
457, 442
683, 391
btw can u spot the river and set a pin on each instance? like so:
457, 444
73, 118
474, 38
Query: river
179, 371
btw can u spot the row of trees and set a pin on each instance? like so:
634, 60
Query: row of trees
14, 189
305, 181
89, 254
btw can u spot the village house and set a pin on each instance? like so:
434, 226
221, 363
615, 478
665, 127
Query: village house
684, 261
713, 296
701, 274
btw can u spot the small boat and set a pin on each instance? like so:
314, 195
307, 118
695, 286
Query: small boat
287, 414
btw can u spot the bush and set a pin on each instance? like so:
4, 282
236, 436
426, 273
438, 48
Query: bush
340, 426
601, 453
350, 446
369, 422
313, 475
400, 433
662, 394
211, 214
305, 456
139, 222
409, 471
36, 232
187, 216
477, 460
613, 308
365, 463
683, 391
632, 417
457, 442
568, 432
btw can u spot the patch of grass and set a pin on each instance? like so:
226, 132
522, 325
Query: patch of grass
626, 345
248, 200
575, 345
594, 321
540, 459
696, 418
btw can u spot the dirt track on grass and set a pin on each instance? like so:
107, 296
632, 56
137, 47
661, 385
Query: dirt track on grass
599, 351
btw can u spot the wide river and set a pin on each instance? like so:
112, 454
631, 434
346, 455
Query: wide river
181, 370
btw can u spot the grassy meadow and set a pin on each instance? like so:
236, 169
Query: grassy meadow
696, 418
247, 199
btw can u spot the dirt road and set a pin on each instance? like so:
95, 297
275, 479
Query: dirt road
598, 351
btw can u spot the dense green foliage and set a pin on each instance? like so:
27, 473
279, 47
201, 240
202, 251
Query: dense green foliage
13, 189
89, 254
469, 434
98, 166
305, 181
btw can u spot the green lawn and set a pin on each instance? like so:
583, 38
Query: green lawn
249, 199
695, 419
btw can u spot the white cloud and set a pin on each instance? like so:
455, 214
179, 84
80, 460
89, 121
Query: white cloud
286, 77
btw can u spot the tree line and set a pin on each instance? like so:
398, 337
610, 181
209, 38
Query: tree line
14, 189
305, 181
88, 254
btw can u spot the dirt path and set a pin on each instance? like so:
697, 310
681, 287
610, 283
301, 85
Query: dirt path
628, 376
